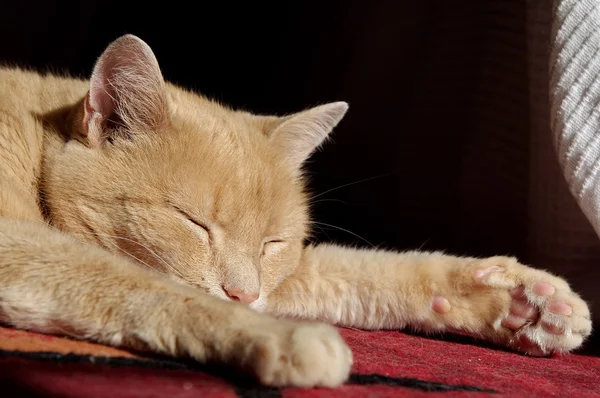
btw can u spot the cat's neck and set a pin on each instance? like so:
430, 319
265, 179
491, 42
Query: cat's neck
60, 126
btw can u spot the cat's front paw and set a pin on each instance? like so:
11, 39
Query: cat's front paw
286, 353
543, 314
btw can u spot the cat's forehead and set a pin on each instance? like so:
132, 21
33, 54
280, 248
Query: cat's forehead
227, 163
222, 141
225, 160
227, 137
235, 183
201, 111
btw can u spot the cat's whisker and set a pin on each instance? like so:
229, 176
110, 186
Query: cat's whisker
349, 184
57, 328
345, 230
322, 230
163, 261
329, 200
137, 259
168, 266
423, 244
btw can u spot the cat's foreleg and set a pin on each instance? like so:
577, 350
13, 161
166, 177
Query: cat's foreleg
52, 284
497, 298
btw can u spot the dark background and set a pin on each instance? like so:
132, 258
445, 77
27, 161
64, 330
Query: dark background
409, 69
438, 150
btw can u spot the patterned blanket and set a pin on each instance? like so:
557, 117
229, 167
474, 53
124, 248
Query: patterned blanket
387, 364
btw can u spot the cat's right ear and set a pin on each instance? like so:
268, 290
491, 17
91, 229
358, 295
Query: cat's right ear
297, 136
127, 91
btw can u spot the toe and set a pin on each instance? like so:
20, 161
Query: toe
543, 289
553, 329
518, 293
560, 308
523, 309
514, 322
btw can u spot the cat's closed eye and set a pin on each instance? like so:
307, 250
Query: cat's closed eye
194, 220
271, 246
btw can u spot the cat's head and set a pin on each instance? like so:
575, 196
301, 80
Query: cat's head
210, 196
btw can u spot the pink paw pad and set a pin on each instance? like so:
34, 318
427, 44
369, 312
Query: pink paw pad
523, 313
560, 308
514, 322
440, 305
543, 289
523, 309
553, 329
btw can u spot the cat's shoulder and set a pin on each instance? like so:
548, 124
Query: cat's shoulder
10, 70
18, 84
19, 76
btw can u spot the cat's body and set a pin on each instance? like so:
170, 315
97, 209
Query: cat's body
125, 200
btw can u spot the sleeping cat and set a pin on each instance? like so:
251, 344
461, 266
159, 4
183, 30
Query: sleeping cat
138, 214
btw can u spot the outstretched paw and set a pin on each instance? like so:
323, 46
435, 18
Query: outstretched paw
286, 353
544, 315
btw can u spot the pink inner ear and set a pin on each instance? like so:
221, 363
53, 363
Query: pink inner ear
99, 100
101, 92
126, 81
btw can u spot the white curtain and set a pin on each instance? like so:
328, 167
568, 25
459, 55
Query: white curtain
574, 74
563, 50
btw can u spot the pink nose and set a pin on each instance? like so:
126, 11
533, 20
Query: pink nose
238, 295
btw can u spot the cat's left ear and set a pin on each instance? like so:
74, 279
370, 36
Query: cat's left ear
127, 91
300, 134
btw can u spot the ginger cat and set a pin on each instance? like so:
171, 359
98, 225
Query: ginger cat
138, 214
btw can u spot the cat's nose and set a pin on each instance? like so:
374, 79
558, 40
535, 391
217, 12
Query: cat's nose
238, 295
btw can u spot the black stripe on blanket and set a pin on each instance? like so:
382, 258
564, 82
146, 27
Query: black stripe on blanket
245, 387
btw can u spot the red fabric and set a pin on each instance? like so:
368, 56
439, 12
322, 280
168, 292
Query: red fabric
20, 340
388, 354
392, 353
